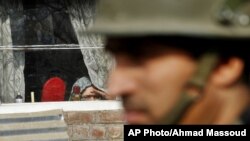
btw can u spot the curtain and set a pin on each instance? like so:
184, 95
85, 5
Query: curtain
98, 62
11, 62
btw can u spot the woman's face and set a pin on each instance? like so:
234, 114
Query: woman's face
91, 93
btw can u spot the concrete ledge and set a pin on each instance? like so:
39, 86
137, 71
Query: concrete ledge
65, 106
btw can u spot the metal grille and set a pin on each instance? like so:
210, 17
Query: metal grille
35, 126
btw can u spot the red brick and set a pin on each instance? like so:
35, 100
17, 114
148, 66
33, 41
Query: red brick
110, 117
115, 131
86, 117
80, 132
98, 132
73, 118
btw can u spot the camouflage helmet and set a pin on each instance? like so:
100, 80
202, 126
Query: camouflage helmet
222, 18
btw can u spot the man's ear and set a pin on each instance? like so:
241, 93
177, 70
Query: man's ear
227, 72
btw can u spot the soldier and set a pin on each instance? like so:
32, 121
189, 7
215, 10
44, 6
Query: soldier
178, 62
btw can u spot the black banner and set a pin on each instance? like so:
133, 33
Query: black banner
162, 132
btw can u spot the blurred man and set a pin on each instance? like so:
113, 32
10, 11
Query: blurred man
178, 62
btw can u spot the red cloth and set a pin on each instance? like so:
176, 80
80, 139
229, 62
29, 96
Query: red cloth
53, 90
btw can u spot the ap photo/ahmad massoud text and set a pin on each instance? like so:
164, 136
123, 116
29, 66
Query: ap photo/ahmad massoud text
182, 66
179, 131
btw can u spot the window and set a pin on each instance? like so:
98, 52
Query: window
43, 49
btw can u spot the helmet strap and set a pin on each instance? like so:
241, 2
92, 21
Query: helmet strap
206, 65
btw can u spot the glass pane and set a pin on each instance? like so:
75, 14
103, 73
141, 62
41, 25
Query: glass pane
43, 50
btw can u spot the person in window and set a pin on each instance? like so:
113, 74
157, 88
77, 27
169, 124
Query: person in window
84, 90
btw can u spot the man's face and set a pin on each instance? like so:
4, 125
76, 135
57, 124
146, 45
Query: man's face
150, 85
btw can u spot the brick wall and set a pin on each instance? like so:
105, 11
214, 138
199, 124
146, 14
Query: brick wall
103, 125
